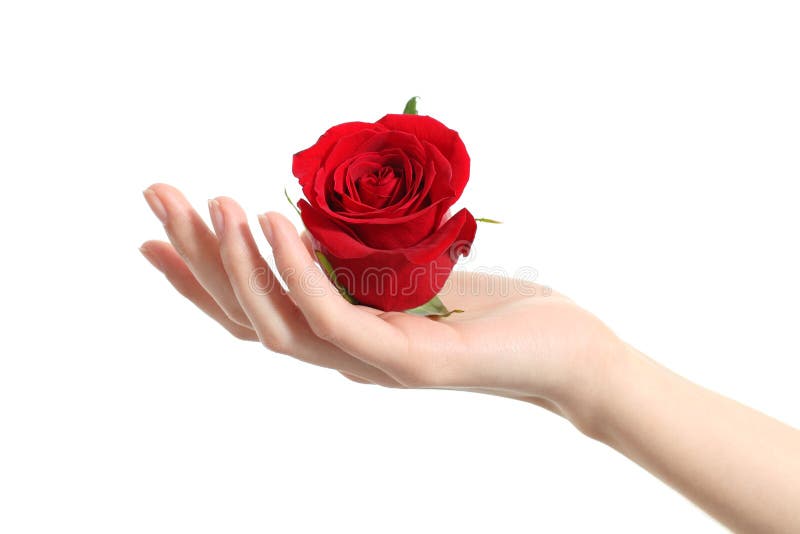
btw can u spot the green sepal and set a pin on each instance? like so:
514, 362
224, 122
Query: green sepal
433, 308
328, 268
411, 106
485, 220
286, 193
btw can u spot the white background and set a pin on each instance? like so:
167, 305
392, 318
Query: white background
643, 157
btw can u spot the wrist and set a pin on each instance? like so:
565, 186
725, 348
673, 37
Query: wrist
595, 397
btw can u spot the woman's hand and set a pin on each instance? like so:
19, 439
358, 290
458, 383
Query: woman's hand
515, 339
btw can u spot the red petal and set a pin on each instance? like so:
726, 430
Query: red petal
396, 279
306, 162
446, 140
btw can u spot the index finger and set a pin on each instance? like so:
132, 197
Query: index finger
351, 328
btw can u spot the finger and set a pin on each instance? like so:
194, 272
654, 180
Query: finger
278, 322
164, 258
330, 317
197, 244
306, 237
355, 378
256, 289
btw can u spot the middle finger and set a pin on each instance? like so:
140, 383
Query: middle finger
197, 244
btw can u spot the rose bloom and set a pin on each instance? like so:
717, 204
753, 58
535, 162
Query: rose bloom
377, 206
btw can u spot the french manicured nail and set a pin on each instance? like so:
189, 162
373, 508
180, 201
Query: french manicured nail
217, 219
266, 226
151, 258
155, 204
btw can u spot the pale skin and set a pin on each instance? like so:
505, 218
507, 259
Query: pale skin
740, 466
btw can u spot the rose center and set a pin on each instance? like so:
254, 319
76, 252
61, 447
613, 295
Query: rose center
379, 188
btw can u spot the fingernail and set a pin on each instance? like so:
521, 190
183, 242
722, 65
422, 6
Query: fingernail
266, 226
217, 219
152, 259
155, 204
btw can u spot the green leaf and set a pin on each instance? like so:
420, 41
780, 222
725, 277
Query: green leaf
485, 220
411, 106
285, 192
328, 268
433, 308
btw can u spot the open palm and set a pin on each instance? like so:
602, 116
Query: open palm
514, 339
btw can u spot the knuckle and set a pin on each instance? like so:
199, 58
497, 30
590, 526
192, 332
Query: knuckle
355, 379
325, 329
243, 333
280, 343
238, 317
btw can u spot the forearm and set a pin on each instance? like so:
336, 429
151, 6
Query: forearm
739, 465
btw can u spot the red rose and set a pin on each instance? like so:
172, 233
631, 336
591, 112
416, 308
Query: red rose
377, 199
